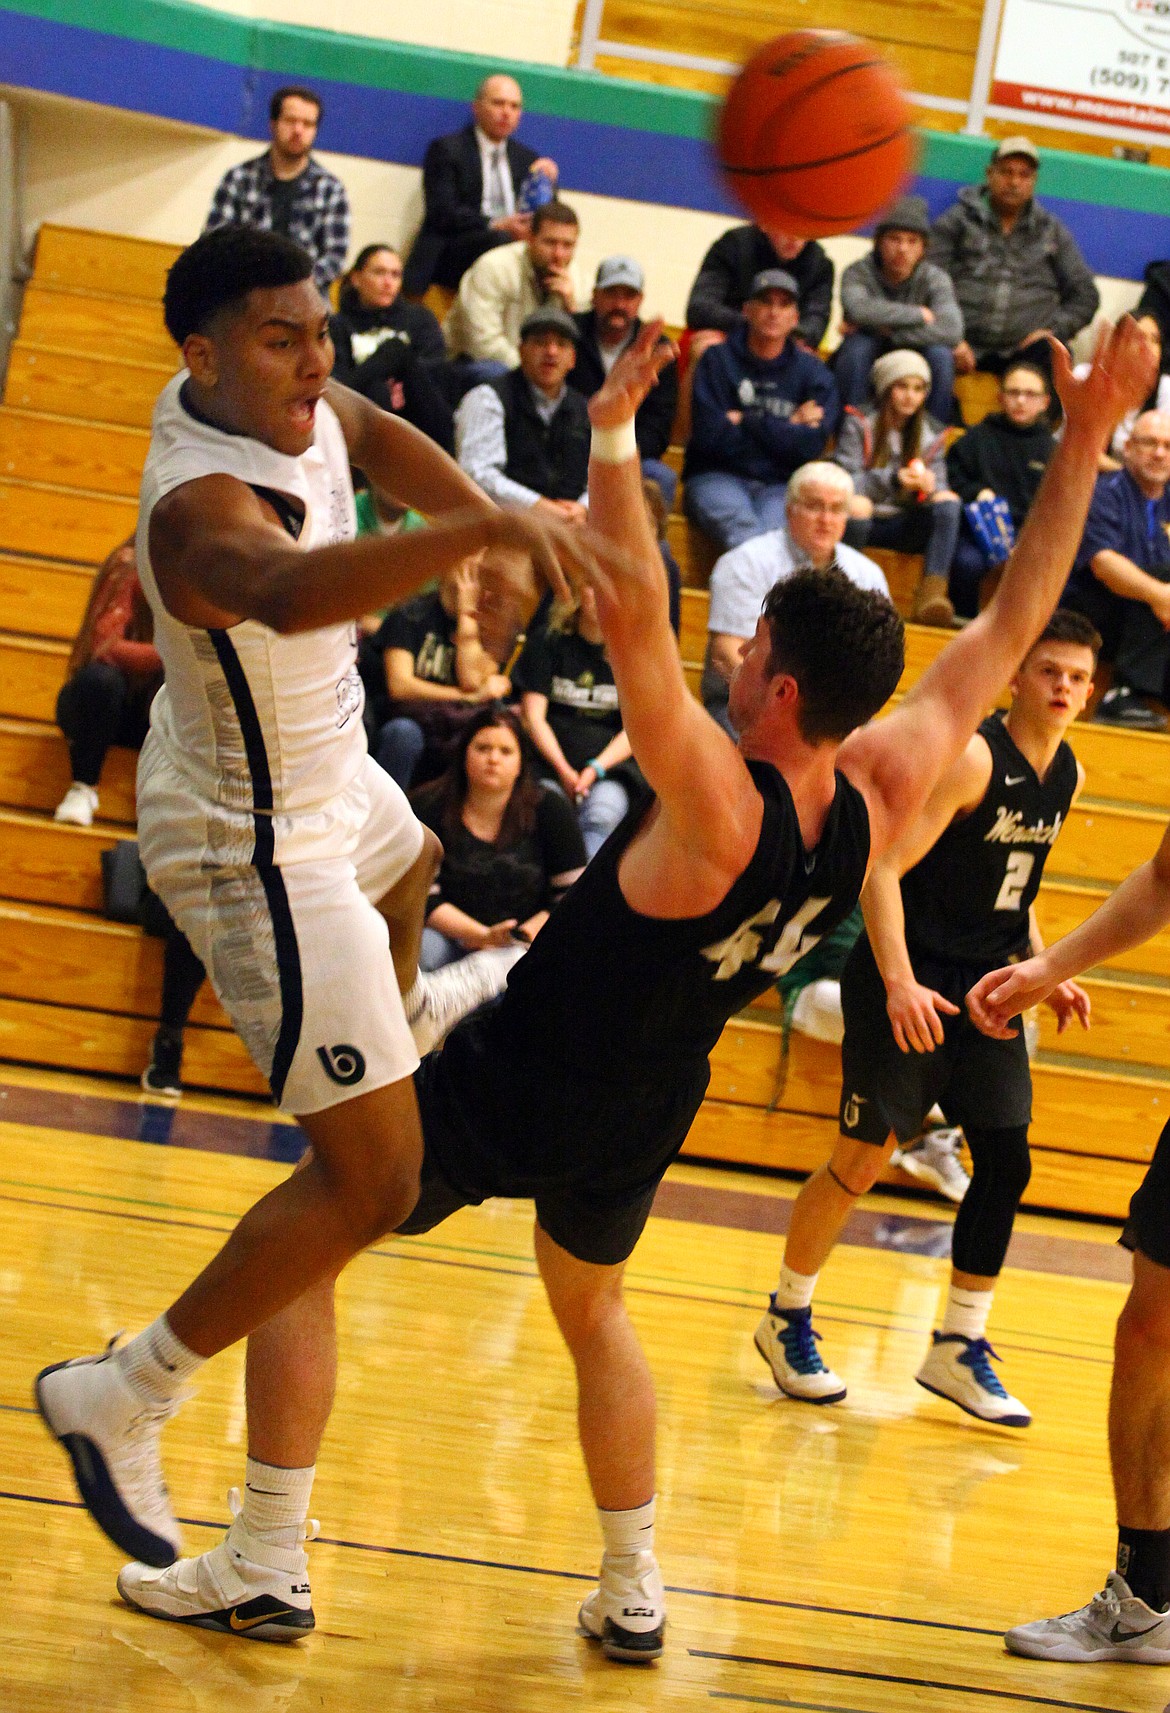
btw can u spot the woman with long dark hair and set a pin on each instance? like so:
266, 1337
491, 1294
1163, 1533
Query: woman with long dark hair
511, 848
896, 457
386, 347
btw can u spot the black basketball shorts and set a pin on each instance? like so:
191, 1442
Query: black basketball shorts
978, 1082
1147, 1228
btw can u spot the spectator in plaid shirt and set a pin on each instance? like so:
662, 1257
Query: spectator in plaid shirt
285, 190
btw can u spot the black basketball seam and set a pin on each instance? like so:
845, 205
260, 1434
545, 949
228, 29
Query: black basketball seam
826, 161
826, 76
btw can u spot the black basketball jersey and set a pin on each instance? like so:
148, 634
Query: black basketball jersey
598, 1049
967, 901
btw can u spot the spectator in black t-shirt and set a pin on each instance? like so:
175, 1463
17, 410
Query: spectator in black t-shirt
387, 348
570, 705
724, 281
437, 670
1003, 456
511, 848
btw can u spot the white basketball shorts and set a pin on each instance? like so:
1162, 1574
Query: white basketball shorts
294, 948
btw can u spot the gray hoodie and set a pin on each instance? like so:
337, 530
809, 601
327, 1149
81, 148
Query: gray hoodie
872, 305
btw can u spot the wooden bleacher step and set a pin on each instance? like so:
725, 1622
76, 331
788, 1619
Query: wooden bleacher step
104, 1044
97, 457
47, 863
96, 324
83, 260
55, 522
66, 383
43, 597
34, 773
32, 671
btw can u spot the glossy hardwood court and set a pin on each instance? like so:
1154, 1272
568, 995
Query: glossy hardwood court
850, 1560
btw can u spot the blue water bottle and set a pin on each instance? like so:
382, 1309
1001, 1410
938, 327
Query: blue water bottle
534, 193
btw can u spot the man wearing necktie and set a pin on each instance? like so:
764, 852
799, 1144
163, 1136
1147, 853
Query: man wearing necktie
471, 188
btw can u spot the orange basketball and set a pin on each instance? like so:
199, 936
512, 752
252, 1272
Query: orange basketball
815, 133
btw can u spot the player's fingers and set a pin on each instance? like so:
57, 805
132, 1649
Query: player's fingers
943, 1004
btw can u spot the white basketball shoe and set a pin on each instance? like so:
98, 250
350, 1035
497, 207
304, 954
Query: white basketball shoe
242, 1586
1115, 1625
626, 1612
788, 1344
960, 1370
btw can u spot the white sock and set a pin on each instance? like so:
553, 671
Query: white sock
413, 1002
157, 1364
795, 1290
967, 1312
628, 1532
276, 1502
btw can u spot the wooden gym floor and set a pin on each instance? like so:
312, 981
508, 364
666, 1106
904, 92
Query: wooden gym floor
856, 1559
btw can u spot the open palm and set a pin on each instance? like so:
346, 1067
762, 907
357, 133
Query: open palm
631, 378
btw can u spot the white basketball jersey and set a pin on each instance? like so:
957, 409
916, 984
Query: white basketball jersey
256, 722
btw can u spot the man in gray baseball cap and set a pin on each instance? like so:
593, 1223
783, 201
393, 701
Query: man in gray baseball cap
605, 329
895, 299
1016, 268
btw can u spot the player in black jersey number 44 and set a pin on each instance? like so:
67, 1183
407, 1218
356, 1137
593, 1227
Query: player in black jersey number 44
954, 897
577, 1090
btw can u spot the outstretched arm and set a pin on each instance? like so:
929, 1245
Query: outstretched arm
702, 784
914, 1009
897, 761
1129, 917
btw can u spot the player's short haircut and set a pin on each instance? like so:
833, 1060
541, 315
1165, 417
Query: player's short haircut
276, 105
844, 646
553, 213
1065, 625
218, 271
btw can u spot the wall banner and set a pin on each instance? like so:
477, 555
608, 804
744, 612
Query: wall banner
1107, 61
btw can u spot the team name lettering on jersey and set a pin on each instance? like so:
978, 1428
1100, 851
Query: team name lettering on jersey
1008, 828
746, 944
584, 694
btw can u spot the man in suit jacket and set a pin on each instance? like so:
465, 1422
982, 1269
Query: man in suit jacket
471, 186
606, 329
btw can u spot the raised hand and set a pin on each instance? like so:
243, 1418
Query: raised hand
631, 378
1120, 378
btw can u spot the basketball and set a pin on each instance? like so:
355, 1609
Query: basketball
815, 135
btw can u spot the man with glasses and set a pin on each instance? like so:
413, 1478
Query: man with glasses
817, 512
1121, 577
1002, 457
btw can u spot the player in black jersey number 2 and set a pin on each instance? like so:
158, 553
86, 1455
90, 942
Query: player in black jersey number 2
951, 899
578, 1089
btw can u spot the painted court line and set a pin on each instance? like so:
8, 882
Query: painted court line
891, 1677
466, 1561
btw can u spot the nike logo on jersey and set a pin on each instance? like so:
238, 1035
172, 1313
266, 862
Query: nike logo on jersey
1018, 779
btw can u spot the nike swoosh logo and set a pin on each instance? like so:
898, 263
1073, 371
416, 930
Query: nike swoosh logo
1117, 1635
240, 1624
1018, 780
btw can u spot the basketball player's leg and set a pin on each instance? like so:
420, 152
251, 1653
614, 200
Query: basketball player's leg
1130, 1618
989, 1093
616, 1419
318, 998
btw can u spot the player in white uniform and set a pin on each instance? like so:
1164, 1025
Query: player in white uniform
290, 860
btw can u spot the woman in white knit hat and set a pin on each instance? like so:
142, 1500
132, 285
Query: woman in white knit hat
895, 455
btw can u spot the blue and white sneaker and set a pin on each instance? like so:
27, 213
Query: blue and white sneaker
787, 1342
112, 1438
960, 1370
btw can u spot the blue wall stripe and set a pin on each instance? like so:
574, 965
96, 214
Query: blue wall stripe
387, 125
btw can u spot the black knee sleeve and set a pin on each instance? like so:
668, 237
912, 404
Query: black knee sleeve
1001, 1168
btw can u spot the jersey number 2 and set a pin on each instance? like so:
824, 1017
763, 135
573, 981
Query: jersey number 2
1016, 877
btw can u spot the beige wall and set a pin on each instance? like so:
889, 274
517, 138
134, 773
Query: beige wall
97, 167
532, 29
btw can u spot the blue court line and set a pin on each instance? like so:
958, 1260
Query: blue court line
466, 1561
890, 1677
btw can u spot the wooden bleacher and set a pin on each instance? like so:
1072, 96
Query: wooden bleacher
82, 993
